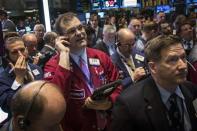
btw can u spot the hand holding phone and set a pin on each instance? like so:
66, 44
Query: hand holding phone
62, 44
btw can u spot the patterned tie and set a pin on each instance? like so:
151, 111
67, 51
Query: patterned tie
86, 72
130, 64
174, 114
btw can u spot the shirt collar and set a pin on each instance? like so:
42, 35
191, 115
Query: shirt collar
82, 54
166, 94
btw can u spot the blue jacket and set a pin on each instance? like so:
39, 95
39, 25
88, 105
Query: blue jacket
6, 81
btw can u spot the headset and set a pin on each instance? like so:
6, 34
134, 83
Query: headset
23, 122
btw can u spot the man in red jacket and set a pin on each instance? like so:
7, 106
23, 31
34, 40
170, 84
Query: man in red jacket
78, 71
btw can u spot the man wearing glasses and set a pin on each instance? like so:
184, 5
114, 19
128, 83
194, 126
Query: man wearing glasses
123, 58
78, 71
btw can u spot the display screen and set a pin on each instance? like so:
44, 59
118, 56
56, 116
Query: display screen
104, 4
127, 3
101, 14
164, 8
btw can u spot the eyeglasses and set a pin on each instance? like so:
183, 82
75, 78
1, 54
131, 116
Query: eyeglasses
74, 29
127, 45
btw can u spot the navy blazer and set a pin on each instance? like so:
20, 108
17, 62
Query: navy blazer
6, 81
120, 65
140, 108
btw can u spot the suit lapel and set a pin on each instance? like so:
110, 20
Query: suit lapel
154, 108
190, 108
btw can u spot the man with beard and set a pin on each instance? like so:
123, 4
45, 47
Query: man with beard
165, 101
17, 73
78, 71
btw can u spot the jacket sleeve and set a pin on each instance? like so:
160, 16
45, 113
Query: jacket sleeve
58, 75
6, 94
112, 75
121, 117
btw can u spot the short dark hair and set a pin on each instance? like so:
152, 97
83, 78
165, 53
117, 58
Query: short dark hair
186, 22
11, 40
154, 47
49, 37
62, 21
148, 26
10, 34
93, 15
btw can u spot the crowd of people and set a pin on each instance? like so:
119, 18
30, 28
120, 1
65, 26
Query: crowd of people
47, 79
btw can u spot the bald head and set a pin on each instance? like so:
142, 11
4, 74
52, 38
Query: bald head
125, 33
31, 42
36, 101
126, 39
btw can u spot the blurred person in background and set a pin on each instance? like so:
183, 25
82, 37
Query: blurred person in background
39, 31
7, 24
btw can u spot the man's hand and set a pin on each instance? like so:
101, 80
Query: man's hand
20, 68
139, 73
36, 59
97, 105
62, 45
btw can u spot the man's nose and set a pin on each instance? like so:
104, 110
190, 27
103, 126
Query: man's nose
182, 64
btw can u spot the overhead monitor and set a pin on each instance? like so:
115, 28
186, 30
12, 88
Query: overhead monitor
87, 15
101, 14
163, 8
110, 3
129, 3
95, 4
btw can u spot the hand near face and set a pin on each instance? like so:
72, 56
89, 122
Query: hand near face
20, 68
62, 45
139, 73
36, 59
97, 105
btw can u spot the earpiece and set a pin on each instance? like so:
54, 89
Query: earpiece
22, 123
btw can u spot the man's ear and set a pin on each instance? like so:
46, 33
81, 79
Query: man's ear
152, 66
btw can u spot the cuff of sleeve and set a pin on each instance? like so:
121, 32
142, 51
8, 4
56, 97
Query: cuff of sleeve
15, 85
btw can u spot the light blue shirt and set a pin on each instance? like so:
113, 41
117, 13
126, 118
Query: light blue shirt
165, 95
81, 54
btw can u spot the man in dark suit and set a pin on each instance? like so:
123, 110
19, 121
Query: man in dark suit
165, 101
123, 59
107, 45
17, 73
7, 24
94, 22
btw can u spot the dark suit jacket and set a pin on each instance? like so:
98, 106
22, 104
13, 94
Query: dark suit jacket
47, 53
6, 81
140, 108
120, 65
102, 46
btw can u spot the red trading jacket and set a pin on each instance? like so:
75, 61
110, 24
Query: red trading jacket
73, 84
